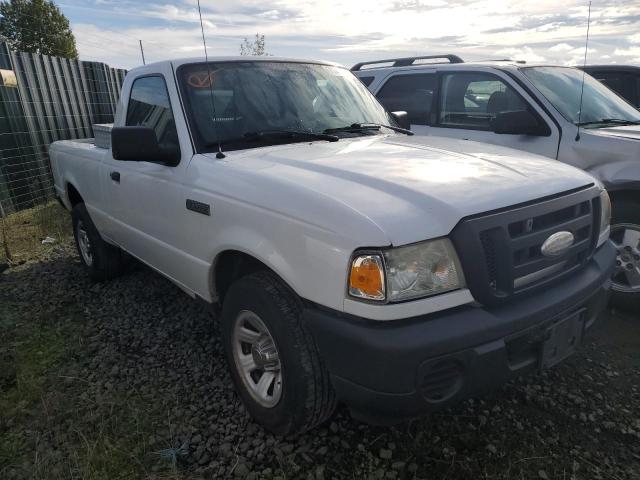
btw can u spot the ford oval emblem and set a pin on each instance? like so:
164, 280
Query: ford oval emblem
557, 244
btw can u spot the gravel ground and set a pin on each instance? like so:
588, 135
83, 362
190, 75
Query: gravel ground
127, 380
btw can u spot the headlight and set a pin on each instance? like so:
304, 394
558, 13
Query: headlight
409, 272
605, 216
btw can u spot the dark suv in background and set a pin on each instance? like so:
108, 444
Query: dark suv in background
622, 79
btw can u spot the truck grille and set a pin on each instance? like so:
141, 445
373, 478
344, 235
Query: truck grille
501, 251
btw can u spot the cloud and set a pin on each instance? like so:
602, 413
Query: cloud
525, 53
627, 52
356, 30
561, 47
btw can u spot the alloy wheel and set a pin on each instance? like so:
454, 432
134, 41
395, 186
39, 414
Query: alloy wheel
626, 238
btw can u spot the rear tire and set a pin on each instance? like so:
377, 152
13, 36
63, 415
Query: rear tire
260, 309
625, 234
102, 260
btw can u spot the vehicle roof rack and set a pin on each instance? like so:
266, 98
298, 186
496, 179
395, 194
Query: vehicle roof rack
406, 61
522, 62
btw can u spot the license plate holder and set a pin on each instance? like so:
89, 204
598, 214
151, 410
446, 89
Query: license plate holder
562, 339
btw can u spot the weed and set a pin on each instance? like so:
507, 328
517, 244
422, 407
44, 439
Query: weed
21, 233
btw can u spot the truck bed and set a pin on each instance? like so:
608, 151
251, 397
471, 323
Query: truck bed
77, 161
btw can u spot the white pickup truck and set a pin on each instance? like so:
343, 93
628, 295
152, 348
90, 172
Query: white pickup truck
352, 261
537, 108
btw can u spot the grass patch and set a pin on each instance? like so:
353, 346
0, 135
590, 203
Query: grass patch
56, 424
21, 233
27, 354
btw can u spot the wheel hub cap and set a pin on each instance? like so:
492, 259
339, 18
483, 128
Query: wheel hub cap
626, 238
265, 354
256, 359
84, 244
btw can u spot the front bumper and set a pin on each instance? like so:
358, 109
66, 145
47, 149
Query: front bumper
399, 369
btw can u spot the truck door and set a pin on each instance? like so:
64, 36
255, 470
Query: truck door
468, 101
412, 93
148, 198
461, 103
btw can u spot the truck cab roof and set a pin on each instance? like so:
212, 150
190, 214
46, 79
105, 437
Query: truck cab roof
177, 62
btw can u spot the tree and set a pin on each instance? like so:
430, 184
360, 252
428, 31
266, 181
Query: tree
256, 47
37, 26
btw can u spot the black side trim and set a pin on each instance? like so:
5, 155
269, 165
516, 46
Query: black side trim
199, 207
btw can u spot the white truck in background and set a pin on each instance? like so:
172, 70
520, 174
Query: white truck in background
540, 109
353, 262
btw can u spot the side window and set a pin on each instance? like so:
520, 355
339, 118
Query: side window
612, 80
410, 93
621, 83
472, 99
366, 80
149, 106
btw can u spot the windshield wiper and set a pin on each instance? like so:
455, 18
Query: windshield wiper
359, 127
617, 121
263, 136
267, 134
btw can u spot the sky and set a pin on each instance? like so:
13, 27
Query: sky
350, 31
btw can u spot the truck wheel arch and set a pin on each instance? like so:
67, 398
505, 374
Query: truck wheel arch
230, 265
631, 194
73, 196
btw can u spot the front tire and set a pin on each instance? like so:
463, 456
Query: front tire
273, 358
625, 234
102, 260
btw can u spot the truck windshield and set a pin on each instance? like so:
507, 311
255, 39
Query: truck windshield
600, 106
263, 103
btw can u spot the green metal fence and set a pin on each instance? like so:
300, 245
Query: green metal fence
44, 99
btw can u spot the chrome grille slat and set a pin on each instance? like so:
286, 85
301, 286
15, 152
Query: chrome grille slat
544, 262
540, 236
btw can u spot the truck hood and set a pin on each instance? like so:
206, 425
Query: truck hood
631, 132
611, 154
411, 188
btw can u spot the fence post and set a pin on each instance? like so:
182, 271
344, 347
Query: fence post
3, 231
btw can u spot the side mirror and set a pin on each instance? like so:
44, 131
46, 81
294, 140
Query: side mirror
520, 122
139, 144
403, 119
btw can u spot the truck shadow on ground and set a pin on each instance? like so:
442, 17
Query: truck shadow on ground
128, 379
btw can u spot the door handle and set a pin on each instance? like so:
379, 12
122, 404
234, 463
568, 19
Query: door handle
115, 176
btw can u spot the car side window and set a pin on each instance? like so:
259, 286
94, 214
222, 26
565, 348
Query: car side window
411, 93
149, 106
612, 80
366, 80
472, 99
624, 84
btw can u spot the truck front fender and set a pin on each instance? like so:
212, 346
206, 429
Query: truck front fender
313, 263
616, 176
257, 246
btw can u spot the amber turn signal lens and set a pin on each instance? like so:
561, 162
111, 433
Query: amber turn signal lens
367, 278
